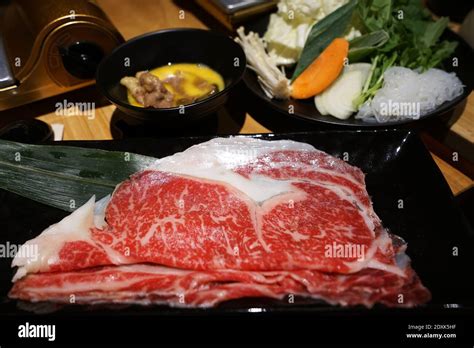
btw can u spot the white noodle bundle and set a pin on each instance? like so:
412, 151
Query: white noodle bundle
407, 94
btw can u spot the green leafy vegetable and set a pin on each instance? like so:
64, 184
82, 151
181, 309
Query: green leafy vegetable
323, 33
413, 38
364, 45
64, 177
413, 35
375, 80
375, 14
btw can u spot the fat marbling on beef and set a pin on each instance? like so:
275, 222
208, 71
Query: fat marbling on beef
228, 218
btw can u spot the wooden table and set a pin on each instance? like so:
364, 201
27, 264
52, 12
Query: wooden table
134, 17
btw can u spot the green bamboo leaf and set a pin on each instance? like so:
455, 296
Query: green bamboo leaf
64, 177
323, 33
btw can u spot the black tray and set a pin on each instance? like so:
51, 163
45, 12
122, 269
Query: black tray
398, 167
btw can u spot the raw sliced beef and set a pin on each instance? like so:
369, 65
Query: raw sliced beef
145, 284
235, 203
226, 219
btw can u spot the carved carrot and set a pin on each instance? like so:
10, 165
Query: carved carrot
322, 71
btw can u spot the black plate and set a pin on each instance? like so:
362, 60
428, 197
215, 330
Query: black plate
305, 109
398, 167
182, 45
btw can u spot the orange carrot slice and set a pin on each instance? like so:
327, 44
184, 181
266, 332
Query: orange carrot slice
322, 71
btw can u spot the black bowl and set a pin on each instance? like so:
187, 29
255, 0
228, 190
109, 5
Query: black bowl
156, 49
